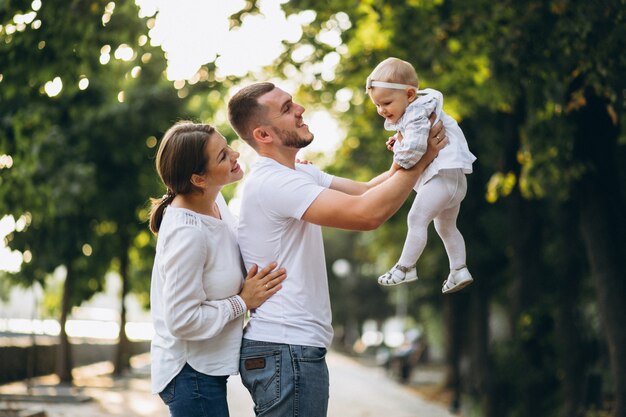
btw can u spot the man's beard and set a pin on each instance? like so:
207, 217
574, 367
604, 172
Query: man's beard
292, 139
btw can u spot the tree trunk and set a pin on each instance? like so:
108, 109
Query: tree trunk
526, 260
527, 266
64, 354
570, 341
122, 357
453, 319
481, 366
523, 219
603, 223
528, 271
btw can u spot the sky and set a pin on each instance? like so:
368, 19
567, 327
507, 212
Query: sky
193, 33
9, 260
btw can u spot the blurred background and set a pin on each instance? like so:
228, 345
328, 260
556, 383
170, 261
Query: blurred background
88, 87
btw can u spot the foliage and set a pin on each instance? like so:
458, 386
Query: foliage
83, 99
82, 159
512, 73
536, 86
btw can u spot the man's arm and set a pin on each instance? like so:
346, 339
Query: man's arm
352, 187
337, 207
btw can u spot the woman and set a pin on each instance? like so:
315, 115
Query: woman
197, 297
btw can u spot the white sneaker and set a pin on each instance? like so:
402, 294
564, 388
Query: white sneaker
457, 280
398, 274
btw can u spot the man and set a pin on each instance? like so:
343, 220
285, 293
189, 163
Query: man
283, 351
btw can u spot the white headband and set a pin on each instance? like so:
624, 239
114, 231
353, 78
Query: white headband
383, 84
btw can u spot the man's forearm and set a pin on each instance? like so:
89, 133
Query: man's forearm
384, 199
358, 187
379, 179
393, 188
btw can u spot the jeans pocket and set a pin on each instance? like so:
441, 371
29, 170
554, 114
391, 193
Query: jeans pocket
312, 380
260, 374
312, 354
167, 395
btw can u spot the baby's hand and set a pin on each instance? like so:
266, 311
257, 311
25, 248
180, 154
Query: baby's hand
390, 143
303, 161
392, 140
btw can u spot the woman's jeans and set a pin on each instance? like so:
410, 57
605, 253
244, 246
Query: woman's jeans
194, 394
285, 380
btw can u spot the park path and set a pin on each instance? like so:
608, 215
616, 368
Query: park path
356, 391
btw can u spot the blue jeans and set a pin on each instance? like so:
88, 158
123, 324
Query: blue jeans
194, 394
285, 380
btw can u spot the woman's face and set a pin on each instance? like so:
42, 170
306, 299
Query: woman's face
222, 166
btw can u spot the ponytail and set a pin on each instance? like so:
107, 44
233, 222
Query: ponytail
158, 208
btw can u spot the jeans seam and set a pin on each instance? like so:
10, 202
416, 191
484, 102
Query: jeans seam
278, 386
296, 380
196, 393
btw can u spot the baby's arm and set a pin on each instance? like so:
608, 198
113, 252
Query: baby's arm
413, 145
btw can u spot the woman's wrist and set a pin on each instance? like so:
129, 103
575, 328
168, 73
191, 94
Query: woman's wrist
238, 306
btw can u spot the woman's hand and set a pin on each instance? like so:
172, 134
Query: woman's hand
261, 285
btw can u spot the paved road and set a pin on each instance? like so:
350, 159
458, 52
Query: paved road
356, 391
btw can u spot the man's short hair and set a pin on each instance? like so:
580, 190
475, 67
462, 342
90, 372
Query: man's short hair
245, 112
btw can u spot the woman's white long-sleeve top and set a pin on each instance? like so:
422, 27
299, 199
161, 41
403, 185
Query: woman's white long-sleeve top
196, 312
415, 126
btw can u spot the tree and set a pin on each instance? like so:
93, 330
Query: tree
533, 83
51, 180
80, 140
569, 83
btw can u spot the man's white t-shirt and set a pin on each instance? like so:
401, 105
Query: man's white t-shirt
270, 229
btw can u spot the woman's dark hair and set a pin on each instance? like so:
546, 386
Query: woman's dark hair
181, 154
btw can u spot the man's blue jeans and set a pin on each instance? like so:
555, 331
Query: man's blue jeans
285, 380
194, 394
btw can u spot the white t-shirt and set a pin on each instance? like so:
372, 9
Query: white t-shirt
270, 229
197, 316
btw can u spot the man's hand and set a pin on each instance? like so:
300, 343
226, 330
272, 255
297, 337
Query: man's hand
437, 140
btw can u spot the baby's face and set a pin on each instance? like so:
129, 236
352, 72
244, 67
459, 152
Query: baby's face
390, 103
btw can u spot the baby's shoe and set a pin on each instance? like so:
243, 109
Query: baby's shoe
457, 280
397, 275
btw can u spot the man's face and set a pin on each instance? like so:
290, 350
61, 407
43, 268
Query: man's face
285, 118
